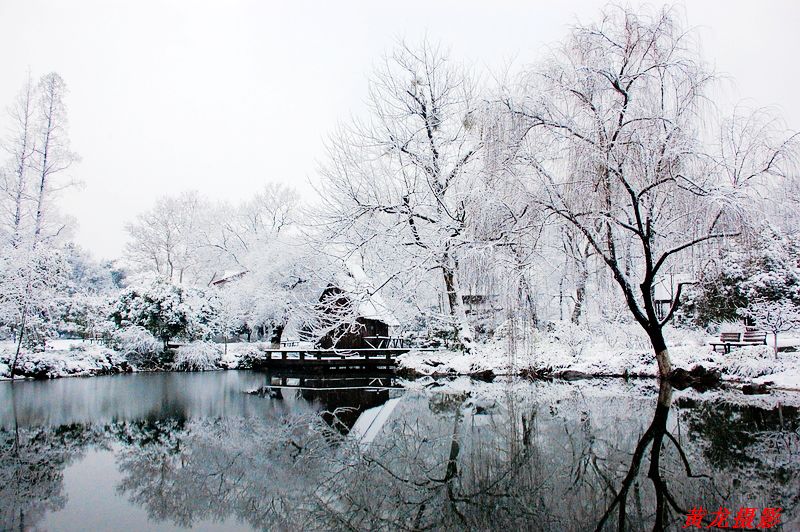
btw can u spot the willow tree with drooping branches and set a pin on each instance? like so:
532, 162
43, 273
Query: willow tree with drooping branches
621, 148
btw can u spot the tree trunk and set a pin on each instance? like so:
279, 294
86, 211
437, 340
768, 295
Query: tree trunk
654, 472
44, 174
775, 343
580, 293
662, 353
456, 302
19, 346
275, 339
580, 258
26, 150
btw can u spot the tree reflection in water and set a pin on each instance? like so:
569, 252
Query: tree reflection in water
491, 456
570, 464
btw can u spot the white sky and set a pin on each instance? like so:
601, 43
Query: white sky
224, 96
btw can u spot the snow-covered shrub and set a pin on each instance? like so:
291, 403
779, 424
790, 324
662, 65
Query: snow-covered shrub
166, 310
750, 362
136, 344
574, 336
82, 360
620, 334
198, 356
247, 354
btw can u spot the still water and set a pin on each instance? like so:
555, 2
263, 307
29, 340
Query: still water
175, 451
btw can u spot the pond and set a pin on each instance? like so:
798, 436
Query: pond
173, 451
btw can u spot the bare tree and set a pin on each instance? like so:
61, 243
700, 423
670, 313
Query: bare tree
230, 235
52, 146
164, 240
188, 238
20, 146
774, 316
617, 114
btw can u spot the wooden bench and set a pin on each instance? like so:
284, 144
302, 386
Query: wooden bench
735, 339
754, 337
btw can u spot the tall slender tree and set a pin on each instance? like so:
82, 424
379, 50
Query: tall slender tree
21, 148
53, 155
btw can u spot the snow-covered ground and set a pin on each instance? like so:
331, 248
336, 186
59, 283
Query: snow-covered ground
565, 351
596, 355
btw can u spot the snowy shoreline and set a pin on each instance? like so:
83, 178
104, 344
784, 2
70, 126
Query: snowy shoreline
548, 357
545, 358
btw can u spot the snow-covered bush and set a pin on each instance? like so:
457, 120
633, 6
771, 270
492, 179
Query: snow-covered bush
135, 343
620, 334
247, 354
81, 360
576, 337
198, 356
763, 269
750, 362
166, 310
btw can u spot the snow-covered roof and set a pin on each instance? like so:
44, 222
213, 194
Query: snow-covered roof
355, 282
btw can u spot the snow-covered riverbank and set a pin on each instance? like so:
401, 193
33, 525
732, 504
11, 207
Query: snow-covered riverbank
579, 356
77, 358
546, 355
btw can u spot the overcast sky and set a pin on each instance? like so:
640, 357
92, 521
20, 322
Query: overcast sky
224, 96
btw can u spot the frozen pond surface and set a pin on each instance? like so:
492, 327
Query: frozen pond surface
172, 451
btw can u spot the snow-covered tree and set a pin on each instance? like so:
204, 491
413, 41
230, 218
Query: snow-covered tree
282, 283
165, 309
772, 266
164, 240
404, 174
190, 239
33, 267
52, 149
31, 279
614, 124
87, 296
774, 316
757, 267
16, 177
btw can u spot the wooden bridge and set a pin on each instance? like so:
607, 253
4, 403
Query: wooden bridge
329, 359
382, 357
